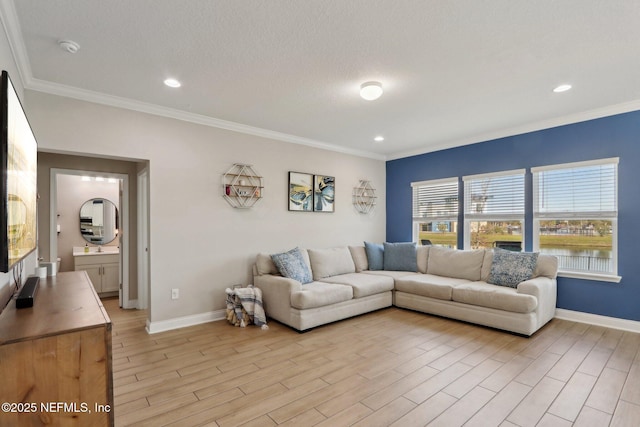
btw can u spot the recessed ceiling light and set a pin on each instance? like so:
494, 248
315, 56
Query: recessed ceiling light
99, 179
69, 46
371, 90
562, 88
378, 138
172, 83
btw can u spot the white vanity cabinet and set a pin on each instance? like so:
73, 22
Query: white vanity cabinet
103, 270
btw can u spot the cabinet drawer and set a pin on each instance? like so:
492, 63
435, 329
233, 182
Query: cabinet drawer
96, 259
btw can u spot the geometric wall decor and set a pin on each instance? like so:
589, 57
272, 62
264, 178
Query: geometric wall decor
364, 197
241, 186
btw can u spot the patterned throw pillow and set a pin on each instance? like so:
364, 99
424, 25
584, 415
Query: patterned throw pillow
291, 264
510, 268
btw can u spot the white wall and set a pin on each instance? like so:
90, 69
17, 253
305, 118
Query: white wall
199, 243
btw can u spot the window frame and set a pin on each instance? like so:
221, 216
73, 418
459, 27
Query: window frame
470, 217
454, 216
603, 215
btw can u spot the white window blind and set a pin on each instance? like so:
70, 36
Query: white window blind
435, 200
494, 196
576, 190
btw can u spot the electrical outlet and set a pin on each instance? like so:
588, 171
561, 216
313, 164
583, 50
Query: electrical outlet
175, 293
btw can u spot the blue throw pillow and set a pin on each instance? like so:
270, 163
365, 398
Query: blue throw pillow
375, 255
509, 268
291, 264
400, 257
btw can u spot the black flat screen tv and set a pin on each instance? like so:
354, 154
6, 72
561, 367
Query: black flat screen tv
18, 162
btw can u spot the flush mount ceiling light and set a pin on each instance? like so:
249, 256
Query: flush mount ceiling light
379, 138
562, 88
69, 46
371, 90
172, 83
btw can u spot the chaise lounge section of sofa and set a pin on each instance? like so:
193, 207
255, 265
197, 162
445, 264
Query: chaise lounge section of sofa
344, 282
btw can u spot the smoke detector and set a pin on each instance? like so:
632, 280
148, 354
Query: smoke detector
69, 46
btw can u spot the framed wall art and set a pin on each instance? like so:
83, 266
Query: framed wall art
323, 193
301, 192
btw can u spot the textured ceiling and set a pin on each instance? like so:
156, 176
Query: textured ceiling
454, 72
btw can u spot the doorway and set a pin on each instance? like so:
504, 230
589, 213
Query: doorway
81, 223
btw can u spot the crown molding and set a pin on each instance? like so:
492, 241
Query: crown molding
597, 113
11, 24
143, 107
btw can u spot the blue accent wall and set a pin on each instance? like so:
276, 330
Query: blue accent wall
614, 136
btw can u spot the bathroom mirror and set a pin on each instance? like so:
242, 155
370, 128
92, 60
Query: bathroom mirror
99, 221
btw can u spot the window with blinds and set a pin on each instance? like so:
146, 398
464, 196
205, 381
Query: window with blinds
494, 210
575, 212
435, 212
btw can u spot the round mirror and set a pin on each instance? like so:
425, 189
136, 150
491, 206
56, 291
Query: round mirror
99, 221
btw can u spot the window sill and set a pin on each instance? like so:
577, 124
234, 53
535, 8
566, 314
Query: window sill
590, 276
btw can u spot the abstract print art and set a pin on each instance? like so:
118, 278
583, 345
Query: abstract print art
323, 193
300, 192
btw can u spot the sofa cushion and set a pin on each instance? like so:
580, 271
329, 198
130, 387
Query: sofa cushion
393, 274
319, 294
428, 285
547, 266
494, 296
422, 258
265, 265
456, 263
510, 268
292, 264
330, 262
375, 255
359, 255
363, 284
400, 256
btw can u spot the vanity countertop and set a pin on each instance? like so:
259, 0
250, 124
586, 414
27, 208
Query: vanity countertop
93, 250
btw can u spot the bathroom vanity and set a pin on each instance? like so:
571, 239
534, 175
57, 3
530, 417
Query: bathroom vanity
103, 268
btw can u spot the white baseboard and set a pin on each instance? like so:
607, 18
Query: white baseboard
595, 319
574, 316
183, 322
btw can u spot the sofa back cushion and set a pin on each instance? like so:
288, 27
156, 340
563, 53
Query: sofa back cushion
456, 263
422, 253
331, 262
400, 257
265, 265
359, 255
547, 266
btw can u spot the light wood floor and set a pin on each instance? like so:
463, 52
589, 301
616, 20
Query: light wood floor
392, 367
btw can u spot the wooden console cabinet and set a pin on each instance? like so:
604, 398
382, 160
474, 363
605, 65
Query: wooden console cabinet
55, 357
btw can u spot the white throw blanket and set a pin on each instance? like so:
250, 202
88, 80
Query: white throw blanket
244, 306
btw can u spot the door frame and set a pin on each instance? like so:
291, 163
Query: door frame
143, 239
125, 302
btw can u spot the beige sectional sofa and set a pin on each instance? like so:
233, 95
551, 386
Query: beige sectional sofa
447, 282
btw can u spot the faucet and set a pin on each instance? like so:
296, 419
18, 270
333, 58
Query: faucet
99, 248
